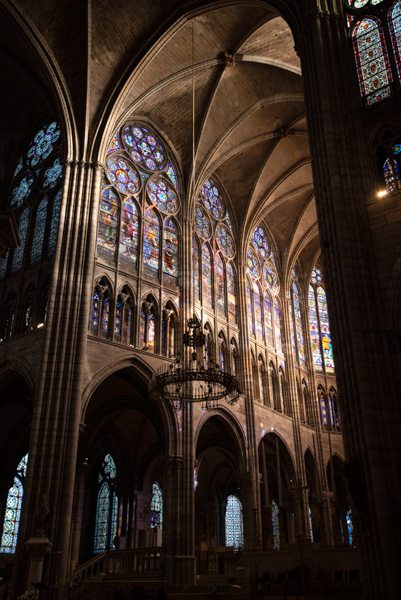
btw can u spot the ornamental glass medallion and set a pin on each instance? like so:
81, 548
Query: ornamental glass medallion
52, 174
38, 231
270, 277
207, 276
231, 293
107, 228
317, 276
253, 266
21, 191
277, 325
105, 314
12, 513
233, 523
276, 525
314, 329
95, 312
325, 330
118, 317
43, 144
212, 199
156, 506
161, 194
372, 63
257, 305
220, 284
170, 249
145, 150
225, 241
260, 242
202, 224
151, 242
129, 233
298, 323
122, 175
394, 20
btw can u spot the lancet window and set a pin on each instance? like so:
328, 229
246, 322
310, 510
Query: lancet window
297, 337
106, 507
213, 252
234, 523
12, 512
156, 506
322, 350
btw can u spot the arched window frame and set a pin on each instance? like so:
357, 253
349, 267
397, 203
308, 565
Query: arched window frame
28, 304
156, 507
297, 335
169, 330
106, 516
262, 380
234, 532
123, 321
149, 325
322, 324
13, 506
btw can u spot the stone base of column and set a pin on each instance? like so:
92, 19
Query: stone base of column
180, 570
36, 548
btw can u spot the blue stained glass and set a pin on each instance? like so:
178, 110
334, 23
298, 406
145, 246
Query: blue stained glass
298, 323
3, 263
206, 276
323, 409
21, 191
314, 329
253, 266
293, 344
277, 326
394, 20
53, 174
114, 144
257, 305
122, 175
118, 318
106, 507
268, 319
170, 249
95, 312
105, 314
39, 231
231, 293
54, 223
220, 284
195, 268
144, 148
202, 224
156, 506
162, 195
43, 144
271, 279
225, 241
18, 167
317, 276
234, 523
22, 231
142, 329
260, 242
102, 518
129, 233
228, 222
389, 178
151, 242
311, 525
350, 528
276, 525
212, 200
107, 228
250, 311
172, 175
12, 513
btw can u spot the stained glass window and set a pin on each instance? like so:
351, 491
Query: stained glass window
372, 61
28, 312
325, 330
38, 231
52, 175
118, 317
156, 507
253, 267
129, 233
195, 268
220, 287
144, 148
231, 293
206, 276
260, 242
394, 20
170, 249
222, 356
310, 525
22, 231
95, 312
151, 242
3, 263
202, 224
261, 383
276, 525
129, 324
9, 321
12, 512
43, 144
105, 313
268, 319
257, 305
56, 204
233, 522
225, 240
106, 507
391, 169
212, 199
272, 386
250, 311
142, 329
314, 329
293, 344
107, 231
350, 528
323, 409
162, 195
122, 175
298, 323
172, 175
151, 332
277, 326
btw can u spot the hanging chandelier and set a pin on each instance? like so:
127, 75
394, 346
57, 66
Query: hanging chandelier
194, 376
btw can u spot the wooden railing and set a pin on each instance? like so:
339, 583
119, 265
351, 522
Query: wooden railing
145, 562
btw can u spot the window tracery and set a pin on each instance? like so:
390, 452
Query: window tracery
322, 351
234, 523
12, 512
106, 507
156, 507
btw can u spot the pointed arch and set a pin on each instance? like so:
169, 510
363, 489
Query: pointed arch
12, 512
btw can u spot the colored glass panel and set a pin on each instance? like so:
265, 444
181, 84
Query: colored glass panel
389, 178
293, 343
151, 332
261, 384
270, 277
231, 293
170, 249
314, 329
129, 324
268, 320
43, 144
212, 200
257, 305
277, 326
370, 52
195, 268
310, 525
106, 507
107, 228
53, 174
206, 276
161, 194
118, 317
38, 231
325, 330
102, 518
142, 329
151, 242
28, 313
202, 224
3, 263
156, 506
56, 204
144, 148
276, 525
122, 175
171, 173
260, 242
95, 312
233, 523
21, 191
225, 240
12, 513
22, 231
196, 469
394, 20
298, 323
222, 357
350, 528
253, 264
129, 233
250, 311
114, 144
105, 314
323, 409
220, 284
